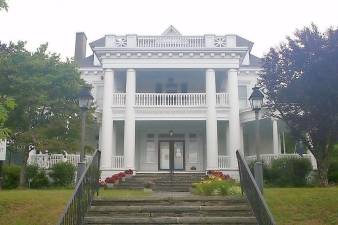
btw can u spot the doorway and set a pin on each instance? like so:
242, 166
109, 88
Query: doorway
171, 155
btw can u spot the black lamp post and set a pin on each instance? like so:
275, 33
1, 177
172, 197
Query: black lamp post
85, 102
256, 102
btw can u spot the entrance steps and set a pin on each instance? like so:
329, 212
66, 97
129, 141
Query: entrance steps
180, 182
195, 210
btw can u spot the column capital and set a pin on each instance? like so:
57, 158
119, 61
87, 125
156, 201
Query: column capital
209, 70
131, 70
108, 70
232, 70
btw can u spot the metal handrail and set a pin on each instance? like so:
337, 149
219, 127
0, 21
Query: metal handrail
83, 194
254, 196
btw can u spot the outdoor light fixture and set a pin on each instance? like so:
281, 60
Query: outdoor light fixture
256, 102
85, 102
256, 99
85, 98
171, 133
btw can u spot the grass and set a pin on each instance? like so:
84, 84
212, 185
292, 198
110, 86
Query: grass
121, 193
43, 207
303, 206
32, 207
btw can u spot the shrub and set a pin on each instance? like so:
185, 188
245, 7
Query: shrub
223, 187
11, 176
36, 178
63, 174
288, 172
40, 180
333, 172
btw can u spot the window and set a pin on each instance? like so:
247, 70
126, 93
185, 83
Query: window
243, 96
193, 149
150, 156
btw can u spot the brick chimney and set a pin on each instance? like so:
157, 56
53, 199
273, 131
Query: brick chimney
80, 47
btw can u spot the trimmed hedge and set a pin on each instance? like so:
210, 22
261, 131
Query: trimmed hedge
288, 172
11, 176
333, 172
36, 178
63, 174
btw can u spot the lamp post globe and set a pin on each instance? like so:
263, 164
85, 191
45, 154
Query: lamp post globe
85, 102
256, 103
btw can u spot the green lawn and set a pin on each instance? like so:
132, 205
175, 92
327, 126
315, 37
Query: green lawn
43, 207
303, 206
32, 207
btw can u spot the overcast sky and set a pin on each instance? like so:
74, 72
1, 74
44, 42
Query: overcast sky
264, 22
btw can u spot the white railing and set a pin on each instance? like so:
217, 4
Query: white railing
267, 158
47, 161
170, 99
118, 162
222, 99
170, 42
224, 162
119, 99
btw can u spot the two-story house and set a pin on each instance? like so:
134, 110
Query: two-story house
174, 102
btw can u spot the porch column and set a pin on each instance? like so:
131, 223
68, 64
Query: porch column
275, 136
129, 121
212, 145
107, 120
234, 123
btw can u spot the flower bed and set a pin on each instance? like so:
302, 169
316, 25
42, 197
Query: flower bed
216, 183
115, 179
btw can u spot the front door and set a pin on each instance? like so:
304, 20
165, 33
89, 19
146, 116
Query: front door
171, 155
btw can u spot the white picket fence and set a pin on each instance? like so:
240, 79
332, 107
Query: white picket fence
267, 158
47, 161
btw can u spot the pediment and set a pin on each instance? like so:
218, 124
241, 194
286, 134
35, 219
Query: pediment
171, 31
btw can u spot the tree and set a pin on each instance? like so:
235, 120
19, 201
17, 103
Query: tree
6, 105
3, 5
300, 81
45, 89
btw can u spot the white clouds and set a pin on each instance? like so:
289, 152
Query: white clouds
265, 22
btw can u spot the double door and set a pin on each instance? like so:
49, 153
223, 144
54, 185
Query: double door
171, 155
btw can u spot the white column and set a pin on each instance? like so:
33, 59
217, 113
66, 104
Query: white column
129, 121
275, 136
241, 138
234, 123
107, 120
211, 123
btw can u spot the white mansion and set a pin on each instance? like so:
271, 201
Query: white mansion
174, 102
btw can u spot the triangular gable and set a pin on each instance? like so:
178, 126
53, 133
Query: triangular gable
171, 31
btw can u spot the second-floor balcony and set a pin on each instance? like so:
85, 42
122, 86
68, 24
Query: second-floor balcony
169, 99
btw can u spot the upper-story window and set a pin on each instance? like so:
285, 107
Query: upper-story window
243, 96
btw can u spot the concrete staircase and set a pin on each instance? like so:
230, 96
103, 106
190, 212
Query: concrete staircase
177, 182
195, 210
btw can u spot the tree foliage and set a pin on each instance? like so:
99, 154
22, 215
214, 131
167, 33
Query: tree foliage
45, 90
300, 81
3, 5
6, 105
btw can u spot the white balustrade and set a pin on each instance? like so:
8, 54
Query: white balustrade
170, 99
170, 42
222, 99
119, 99
224, 162
268, 158
118, 162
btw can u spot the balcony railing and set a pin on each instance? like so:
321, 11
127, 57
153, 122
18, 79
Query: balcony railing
170, 42
224, 162
118, 162
222, 99
170, 99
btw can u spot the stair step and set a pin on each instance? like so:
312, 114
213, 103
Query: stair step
170, 220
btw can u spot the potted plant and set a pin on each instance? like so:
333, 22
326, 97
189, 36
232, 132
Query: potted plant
109, 182
148, 187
